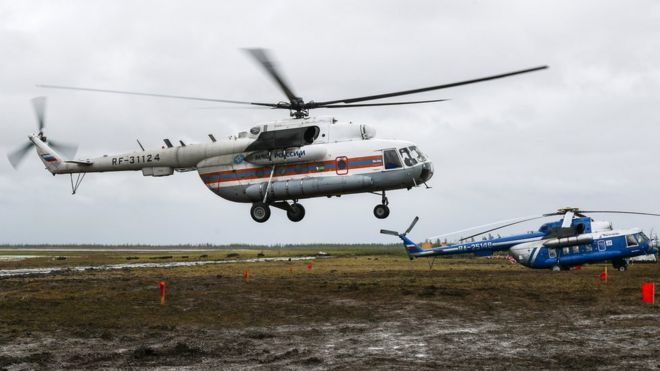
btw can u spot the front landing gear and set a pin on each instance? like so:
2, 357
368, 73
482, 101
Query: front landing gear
260, 212
620, 264
382, 211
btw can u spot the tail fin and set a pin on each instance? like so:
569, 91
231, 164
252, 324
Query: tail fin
48, 156
412, 248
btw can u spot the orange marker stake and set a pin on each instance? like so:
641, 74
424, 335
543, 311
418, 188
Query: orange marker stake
246, 275
603, 275
162, 292
648, 292
309, 266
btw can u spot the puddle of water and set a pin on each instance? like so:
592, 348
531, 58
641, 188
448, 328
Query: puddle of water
14, 258
31, 271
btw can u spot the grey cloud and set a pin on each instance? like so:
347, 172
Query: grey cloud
582, 133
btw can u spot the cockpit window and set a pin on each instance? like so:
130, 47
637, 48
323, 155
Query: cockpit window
641, 237
391, 159
407, 158
630, 240
417, 154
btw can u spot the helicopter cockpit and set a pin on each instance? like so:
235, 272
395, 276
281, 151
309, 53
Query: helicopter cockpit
634, 240
408, 157
412, 156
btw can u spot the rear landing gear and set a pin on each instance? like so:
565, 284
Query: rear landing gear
260, 212
296, 212
382, 211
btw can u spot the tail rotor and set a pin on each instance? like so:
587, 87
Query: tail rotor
394, 233
16, 157
412, 225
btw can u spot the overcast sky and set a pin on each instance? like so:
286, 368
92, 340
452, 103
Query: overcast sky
583, 133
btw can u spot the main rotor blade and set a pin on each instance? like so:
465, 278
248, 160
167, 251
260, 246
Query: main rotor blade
158, 95
430, 88
380, 104
66, 150
39, 104
385, 231
261, 56
412, 225
502, 226
482, 226
16, 157
568, 219
618, 212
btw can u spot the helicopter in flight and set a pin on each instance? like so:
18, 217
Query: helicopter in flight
573, 240
273, 164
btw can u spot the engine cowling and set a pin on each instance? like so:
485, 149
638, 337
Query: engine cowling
285, 138
568, 241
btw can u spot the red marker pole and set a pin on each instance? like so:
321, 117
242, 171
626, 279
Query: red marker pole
648, 292
162, 292
246, 275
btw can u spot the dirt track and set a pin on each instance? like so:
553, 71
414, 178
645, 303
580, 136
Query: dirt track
349, 312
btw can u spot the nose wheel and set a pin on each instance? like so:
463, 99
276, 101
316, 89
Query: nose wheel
382, 211
620, 264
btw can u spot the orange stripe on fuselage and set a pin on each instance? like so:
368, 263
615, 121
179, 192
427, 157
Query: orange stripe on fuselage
287, 170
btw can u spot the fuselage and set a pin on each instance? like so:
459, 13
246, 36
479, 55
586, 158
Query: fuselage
335, 168
542, 249
285, 160
590, 248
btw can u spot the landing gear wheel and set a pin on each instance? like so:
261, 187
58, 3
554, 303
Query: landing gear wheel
556, 268
260, 212
381, 211
620, 264
296, 213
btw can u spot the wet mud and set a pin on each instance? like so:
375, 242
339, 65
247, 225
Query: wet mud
342, 313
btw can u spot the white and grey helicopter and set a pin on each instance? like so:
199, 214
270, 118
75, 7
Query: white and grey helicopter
272, 164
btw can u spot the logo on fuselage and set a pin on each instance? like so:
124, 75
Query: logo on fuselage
278, 155
239, 158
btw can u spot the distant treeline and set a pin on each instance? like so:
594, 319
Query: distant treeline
320, 246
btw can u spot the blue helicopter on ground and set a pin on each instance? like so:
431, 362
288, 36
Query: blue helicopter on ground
573, 240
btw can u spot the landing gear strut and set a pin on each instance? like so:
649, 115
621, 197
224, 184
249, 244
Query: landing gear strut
382, 211
260, 212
